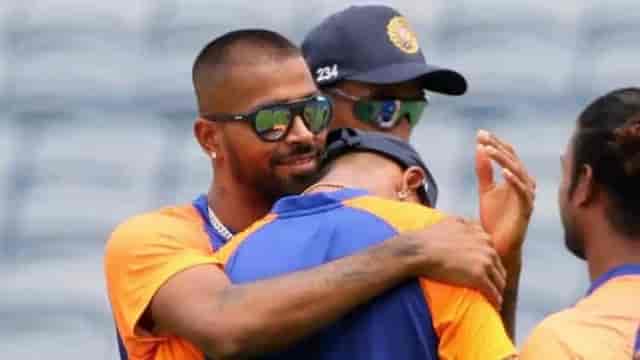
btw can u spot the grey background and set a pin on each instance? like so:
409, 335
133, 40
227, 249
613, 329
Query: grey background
95, 125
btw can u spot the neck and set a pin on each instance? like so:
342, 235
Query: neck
606, 249
350, 171
236, 207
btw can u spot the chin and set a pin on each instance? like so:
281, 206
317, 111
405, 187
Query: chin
293, 184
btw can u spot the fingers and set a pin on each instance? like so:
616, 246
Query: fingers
507, 161
504, 154
497, 274
493, 273
524, 191
489, 139
484, 170
501, 270
489, 289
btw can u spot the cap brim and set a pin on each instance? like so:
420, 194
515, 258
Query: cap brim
433, 78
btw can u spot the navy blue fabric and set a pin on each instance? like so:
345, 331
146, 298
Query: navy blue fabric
637, 347
354, 44
313, 229
121, 349
202, 205
623, 270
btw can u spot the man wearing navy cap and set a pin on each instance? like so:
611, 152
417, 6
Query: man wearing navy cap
369, 61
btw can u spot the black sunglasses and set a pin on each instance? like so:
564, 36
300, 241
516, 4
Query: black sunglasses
273, 122
386, 113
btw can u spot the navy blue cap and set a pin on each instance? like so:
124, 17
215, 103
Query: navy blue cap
347, 140
373, 44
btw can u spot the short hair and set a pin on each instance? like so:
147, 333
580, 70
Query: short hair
240, 47
608, 139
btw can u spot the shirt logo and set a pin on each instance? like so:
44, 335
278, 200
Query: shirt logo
402, 36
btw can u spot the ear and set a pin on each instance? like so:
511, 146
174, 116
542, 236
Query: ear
208, 135
412, 179
585, 190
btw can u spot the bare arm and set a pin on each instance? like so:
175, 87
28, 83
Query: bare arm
233, 321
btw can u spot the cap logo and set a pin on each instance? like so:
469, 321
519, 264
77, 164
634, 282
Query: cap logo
402, 36
326, 73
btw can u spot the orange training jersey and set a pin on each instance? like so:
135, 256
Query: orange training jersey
141, 255
601, 326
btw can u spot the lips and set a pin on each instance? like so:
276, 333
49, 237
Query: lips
299, 159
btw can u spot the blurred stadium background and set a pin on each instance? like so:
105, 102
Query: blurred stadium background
96, 109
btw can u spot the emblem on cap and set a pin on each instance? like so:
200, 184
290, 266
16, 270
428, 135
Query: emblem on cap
402, 36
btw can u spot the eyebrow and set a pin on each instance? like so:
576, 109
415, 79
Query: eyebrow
284, 101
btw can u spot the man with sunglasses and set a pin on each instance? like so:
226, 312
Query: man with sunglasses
369, 61
262, 123
342, 213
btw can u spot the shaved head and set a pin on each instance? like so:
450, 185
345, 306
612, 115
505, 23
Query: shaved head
216, 62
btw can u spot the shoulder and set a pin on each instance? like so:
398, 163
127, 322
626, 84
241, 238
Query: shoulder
178, 225
549, 337
555, 324
400, 214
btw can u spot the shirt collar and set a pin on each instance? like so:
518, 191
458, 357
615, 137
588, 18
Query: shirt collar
315, 201
201, 204
623, 270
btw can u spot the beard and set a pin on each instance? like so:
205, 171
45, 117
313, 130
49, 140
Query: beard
573, 238
270, 183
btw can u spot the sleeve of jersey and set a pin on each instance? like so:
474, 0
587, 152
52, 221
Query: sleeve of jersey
544, 343
468, 327
141, 255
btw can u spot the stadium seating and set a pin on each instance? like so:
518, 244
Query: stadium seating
98, 168
77, 53
606, 48
7, 164
71, 323
530, 42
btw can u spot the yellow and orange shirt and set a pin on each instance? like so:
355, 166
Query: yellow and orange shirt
140, 256
603, 325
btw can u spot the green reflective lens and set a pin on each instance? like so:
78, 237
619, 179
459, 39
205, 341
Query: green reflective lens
317, 116
414, 110
272, 123
387, 113
367, 111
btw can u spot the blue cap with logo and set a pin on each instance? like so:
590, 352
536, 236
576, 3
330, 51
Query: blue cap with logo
373, 44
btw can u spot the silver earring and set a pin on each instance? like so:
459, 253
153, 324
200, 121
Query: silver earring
213, 155
402, 195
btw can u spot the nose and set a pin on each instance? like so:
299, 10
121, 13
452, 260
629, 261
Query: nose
299, 132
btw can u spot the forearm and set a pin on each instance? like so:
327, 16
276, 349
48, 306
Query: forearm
513, 265
270, 314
